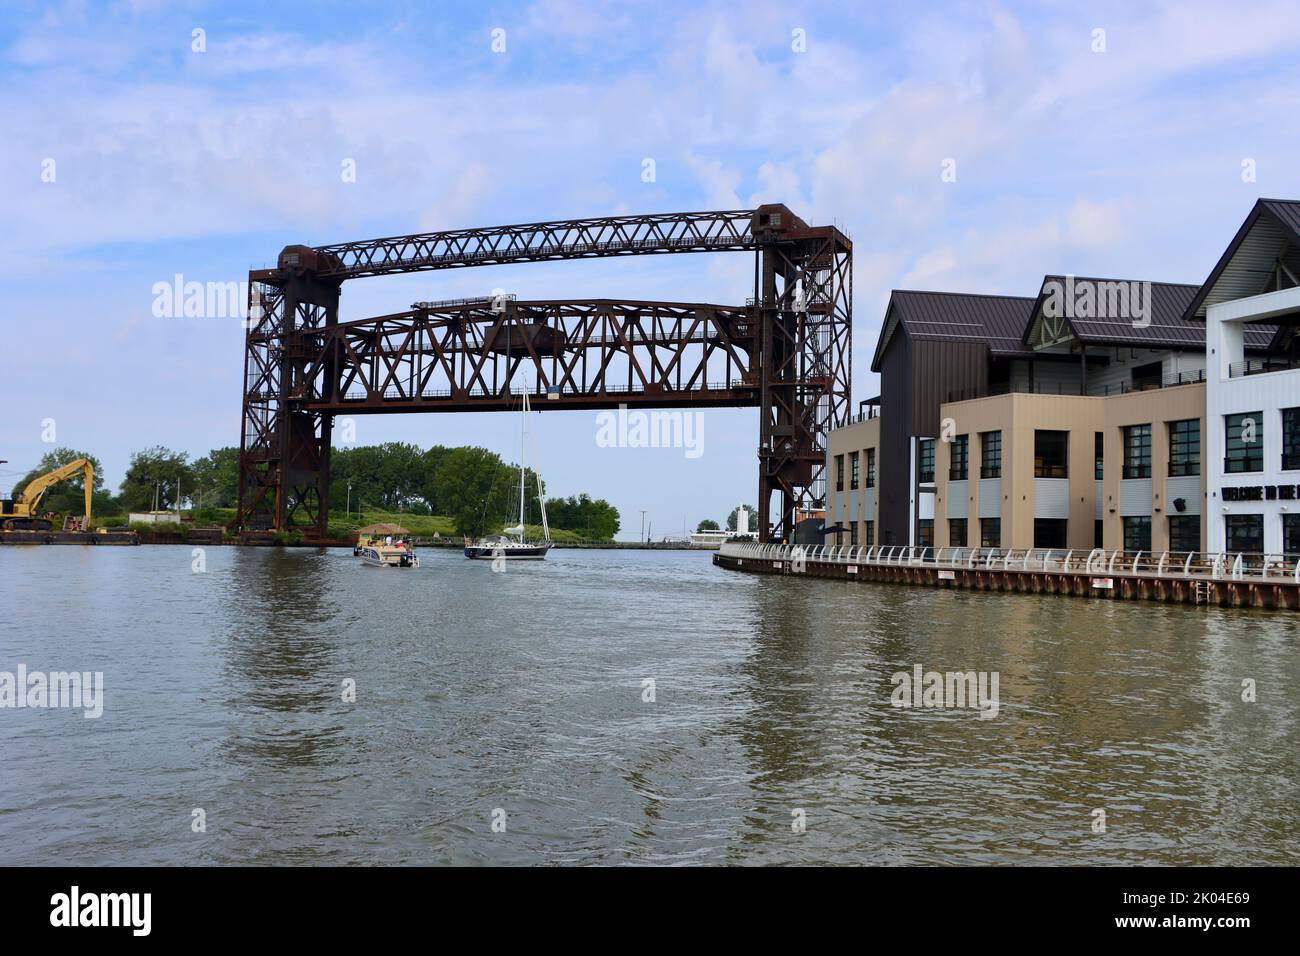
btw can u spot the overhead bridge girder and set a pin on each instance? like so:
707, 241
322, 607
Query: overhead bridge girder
786, 351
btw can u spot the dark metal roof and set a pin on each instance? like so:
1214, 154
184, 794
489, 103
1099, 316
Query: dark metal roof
1271, 232
1167, 328
995, 320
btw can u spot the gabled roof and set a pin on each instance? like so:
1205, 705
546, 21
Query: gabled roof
1103, 324
1160, 322
997, 321
1263, 256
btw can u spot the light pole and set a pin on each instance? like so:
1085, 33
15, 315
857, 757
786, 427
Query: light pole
348, 510
643, 525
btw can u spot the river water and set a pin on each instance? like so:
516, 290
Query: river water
506, 718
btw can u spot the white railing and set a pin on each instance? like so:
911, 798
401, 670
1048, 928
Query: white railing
1098, 561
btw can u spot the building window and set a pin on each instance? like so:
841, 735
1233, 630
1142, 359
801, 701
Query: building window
871, 468
925, 461
990, 532
990, 454
1245, 441
960, 463
957, 532
1137, 453
925, 533
1051, 454
853, 471
1244, 533
853, 534
1137, 533
1184, 532
1096, 533
839, 472
869, 532
1291, 537
1098, 454
1291, 438
1050, 532
1185, 448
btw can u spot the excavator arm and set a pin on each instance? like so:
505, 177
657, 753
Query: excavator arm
30, 499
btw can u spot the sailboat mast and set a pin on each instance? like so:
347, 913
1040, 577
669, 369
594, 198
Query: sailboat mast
523, 451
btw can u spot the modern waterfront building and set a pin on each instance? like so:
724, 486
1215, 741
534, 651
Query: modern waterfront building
1079, 418
1252, 401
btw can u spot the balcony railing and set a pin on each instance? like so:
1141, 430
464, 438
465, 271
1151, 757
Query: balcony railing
1073, 388
1260, 366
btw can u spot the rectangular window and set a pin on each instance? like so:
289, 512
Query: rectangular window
1050, 532
990, 532
853, 534
1291, 537
957, 532
925, 533
869, 532
1098, 447
1244, 533
871, 468
1185, 448
1096, 533
1137, 533
990, 454
853, 471
1244, 436
925, 461
1137, 452
1051, 454
960, 464
1291, 438
839, 472
1184, 533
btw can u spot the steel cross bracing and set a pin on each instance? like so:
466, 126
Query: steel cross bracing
786, 351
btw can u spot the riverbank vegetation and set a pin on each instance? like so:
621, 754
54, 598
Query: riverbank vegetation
439, 491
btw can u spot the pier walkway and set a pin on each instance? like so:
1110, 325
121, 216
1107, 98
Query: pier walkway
1229, 580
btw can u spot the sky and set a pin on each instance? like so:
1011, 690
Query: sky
1126, 140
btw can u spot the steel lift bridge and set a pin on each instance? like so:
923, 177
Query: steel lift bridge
786, 351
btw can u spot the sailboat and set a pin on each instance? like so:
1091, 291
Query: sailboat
512, 544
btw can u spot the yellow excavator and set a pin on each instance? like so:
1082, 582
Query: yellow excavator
23, 512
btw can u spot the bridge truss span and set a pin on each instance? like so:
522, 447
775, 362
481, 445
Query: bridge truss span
786, 351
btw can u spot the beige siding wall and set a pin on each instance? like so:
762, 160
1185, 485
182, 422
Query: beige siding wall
865, 502
1158, 407
1018, 416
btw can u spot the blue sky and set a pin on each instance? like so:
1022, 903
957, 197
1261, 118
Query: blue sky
1124, 163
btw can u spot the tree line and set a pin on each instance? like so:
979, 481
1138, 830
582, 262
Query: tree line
473, 486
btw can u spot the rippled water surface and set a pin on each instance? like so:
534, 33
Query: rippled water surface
523, 692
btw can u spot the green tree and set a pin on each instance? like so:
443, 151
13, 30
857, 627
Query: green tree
732, 518
595, 519
389, 477
708, 524
474, 489
159, 471
216, 478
